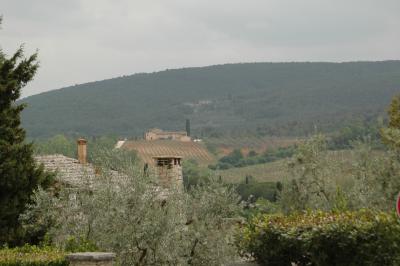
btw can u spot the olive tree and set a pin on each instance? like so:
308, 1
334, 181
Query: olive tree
317, 179
309, 182
124, 211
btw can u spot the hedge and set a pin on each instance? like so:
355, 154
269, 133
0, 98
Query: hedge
32, 256
266, 190
362, 237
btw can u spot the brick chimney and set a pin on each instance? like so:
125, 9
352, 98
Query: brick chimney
82, 154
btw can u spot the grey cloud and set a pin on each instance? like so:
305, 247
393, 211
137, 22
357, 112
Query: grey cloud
85, 40
298, 22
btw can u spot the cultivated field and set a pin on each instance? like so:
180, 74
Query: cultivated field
225, 145
276, 171
260, 172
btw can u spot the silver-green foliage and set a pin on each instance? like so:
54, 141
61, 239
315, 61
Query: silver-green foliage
376, 177
309, 183
318, 180
127, 213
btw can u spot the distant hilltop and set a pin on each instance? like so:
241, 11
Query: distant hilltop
261, 98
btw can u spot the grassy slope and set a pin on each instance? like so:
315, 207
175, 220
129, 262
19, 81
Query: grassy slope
276, 171
273, 171
272, 98
225, 145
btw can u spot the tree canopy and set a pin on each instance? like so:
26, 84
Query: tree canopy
19, 175
391, 134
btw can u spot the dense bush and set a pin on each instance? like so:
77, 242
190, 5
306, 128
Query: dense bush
266, 190
193, 174
322, 180
237, 159
32, 256
323, 238
356, 131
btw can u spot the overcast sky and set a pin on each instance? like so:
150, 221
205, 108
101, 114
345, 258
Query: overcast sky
88, 40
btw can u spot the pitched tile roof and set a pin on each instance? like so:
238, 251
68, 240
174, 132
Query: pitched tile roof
147, 150
69, 170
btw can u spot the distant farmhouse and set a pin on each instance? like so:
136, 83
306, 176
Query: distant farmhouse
158, 134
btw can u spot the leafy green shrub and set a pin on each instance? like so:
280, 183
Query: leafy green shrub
253, 207
280, 153
266, 190
361, 237
356, 131
233, 158
79, 244
32, 256
236, 158
193, 174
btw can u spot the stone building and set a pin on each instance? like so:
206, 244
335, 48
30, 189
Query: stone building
158, 134
169, 170
165, 157
72, 172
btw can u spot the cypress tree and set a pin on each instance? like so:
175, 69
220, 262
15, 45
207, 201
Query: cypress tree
188, 127
19, 175
391, 134
394, 112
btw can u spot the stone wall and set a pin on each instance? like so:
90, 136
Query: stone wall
91, 259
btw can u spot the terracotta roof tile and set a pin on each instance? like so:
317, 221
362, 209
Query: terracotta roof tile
187, 150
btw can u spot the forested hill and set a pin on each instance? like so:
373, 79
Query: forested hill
268, 98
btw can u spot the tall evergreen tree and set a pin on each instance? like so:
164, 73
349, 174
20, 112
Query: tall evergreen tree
188, 127
394, 112
19, 175
391, 134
